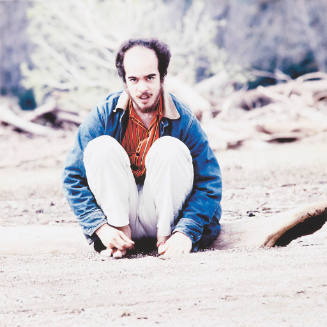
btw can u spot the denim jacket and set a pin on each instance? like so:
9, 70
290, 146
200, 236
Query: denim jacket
200, 214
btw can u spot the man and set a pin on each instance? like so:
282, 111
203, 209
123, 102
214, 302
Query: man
141, 165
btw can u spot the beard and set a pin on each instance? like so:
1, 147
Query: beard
149, 107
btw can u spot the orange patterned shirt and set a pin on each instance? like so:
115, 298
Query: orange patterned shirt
138, 138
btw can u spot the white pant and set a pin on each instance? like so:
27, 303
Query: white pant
149, 209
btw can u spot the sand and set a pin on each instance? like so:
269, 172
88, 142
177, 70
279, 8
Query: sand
285, 286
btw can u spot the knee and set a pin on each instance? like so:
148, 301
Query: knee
104, 148
99, 146
168, 149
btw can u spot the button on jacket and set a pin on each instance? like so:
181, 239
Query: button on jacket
200, 214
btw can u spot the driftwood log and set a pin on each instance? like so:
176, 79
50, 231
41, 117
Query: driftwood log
60, 115
11, 114
308, 91
46, 108
274, 231
268, 232
9, 117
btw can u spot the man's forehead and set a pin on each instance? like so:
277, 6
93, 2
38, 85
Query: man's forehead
140, 61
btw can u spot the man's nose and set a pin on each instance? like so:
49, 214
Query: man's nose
142, 86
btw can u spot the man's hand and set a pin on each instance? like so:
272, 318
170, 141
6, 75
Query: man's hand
178, 244
117, 240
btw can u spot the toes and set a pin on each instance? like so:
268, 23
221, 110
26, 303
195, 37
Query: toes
119, 254
106, 253
115, 253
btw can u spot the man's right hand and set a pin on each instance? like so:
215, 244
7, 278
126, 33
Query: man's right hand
117, 240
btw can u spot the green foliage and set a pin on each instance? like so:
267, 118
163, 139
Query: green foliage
27, 99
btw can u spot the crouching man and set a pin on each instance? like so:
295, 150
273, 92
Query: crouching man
141, 165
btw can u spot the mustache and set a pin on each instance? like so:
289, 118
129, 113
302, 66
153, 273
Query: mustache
146, 93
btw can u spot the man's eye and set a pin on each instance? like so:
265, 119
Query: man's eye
150, 78
133, 80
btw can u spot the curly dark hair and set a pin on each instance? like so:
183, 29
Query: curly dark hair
160, 48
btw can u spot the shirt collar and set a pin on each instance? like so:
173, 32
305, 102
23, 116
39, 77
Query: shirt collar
169, 108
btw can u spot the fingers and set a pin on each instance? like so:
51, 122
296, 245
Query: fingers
118, 245
162, 249
113, 238
121, 242
116, 240
161, 243
178, 244
172, 253
162, 240
128, 242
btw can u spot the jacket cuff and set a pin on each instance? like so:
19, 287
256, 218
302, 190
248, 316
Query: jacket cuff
92, 221
190, 228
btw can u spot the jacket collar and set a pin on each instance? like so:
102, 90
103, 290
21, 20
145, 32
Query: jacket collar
169, 110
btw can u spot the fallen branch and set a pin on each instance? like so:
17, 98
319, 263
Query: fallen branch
283, 92
8, 117
46, 108
312, 76
60, 115
305, 128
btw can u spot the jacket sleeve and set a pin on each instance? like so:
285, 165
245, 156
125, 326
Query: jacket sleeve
204, 201
76, 189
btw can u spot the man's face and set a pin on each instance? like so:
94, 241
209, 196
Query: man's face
142, 78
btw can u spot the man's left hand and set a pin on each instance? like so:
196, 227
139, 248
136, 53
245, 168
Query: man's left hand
178, 244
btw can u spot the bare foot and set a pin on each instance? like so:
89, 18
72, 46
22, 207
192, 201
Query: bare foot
118, 254
115, 253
